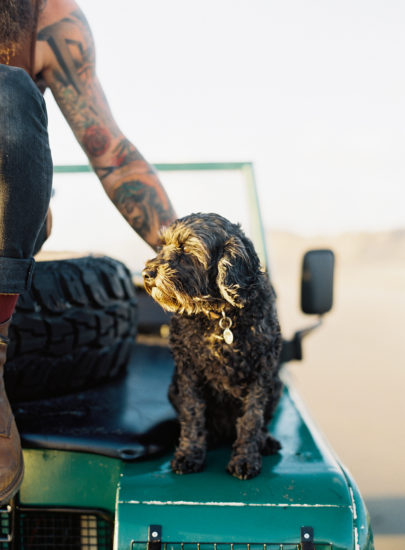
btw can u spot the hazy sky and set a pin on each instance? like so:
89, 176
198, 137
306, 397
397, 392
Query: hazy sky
313, 92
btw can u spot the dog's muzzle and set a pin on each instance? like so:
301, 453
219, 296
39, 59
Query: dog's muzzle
149, 276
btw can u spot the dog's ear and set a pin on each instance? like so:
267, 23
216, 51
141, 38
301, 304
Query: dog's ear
238, 270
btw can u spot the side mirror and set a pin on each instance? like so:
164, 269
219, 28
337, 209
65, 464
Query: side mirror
316, 297
317, 281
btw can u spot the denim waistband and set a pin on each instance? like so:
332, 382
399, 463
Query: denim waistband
15, 275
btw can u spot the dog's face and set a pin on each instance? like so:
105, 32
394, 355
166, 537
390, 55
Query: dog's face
205, 263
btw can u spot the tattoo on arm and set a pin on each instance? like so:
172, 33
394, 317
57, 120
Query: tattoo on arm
129, 180
74, 84
144, 209
123, 154
73, 59
138, 194
96, 140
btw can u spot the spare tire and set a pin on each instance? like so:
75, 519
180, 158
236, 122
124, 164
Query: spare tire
74, 329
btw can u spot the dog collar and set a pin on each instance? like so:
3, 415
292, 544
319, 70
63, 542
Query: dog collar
225, 324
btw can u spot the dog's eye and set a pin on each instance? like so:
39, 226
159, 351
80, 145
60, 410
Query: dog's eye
186, 261
182, 257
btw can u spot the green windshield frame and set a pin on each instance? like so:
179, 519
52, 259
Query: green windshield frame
247, 170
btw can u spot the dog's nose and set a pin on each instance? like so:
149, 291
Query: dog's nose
149, 274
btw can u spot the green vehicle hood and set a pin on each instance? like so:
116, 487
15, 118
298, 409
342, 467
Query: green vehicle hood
302, 485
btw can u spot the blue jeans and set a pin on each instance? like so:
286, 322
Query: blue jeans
25, 177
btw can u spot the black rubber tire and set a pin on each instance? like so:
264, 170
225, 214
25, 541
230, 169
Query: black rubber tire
74, 329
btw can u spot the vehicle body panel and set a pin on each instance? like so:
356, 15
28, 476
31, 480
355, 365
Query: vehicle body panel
301, 485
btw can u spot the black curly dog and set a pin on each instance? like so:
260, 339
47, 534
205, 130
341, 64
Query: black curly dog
225, 339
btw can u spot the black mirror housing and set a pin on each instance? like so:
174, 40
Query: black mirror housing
317, 281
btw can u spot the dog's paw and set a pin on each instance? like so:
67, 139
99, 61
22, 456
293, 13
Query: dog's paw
245, 466
187, 463
270, 446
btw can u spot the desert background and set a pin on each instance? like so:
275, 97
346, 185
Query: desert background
352, 377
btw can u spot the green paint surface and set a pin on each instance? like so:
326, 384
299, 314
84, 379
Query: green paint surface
303, 485
59, 478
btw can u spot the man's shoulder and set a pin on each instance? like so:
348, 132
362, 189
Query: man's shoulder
51, 19
53, 11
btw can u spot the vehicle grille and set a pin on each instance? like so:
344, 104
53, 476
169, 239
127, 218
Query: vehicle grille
138, 545
63, 529
5, 527
73, 529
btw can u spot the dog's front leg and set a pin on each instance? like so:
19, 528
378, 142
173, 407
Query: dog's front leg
246, 460
190, 453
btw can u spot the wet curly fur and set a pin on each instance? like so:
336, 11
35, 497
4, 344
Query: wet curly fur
207, 270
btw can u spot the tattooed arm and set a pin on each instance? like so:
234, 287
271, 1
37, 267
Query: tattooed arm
65, 45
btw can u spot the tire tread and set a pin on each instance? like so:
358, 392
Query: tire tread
74, 329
